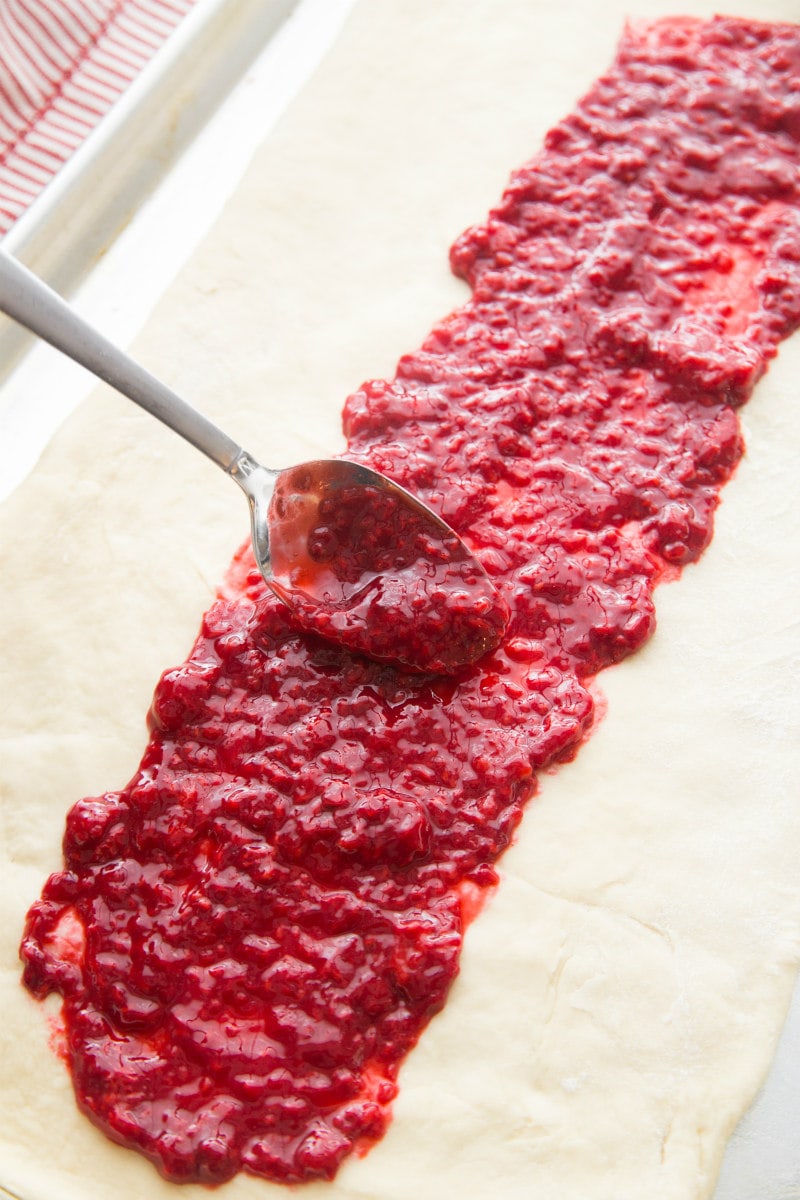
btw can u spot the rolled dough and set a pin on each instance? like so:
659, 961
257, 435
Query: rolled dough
621, 994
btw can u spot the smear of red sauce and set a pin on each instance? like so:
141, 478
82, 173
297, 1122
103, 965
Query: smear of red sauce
273, 908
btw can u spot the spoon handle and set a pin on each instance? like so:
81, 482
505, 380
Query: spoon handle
29, 301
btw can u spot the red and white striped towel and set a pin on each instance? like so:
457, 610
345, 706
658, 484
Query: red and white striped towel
63, 63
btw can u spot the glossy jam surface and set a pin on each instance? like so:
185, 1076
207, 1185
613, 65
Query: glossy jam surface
252, 934
371, 569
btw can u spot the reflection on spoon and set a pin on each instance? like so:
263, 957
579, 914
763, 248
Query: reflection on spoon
363, 562
358, 559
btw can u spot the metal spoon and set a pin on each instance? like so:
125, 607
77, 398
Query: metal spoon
292, 512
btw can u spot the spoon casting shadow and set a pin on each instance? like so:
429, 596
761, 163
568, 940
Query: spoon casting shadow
356, 557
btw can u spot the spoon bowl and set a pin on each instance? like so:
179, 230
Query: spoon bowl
356, 557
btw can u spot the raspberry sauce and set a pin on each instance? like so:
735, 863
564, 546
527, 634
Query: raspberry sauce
251, 935
364, 564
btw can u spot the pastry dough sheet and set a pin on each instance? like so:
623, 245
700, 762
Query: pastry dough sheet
622, 992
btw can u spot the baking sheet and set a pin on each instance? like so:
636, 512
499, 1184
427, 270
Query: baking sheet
763, 1158
119, 268
99, 189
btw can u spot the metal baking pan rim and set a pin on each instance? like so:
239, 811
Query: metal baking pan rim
91, 199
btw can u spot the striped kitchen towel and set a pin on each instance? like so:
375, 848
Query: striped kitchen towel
63, 63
